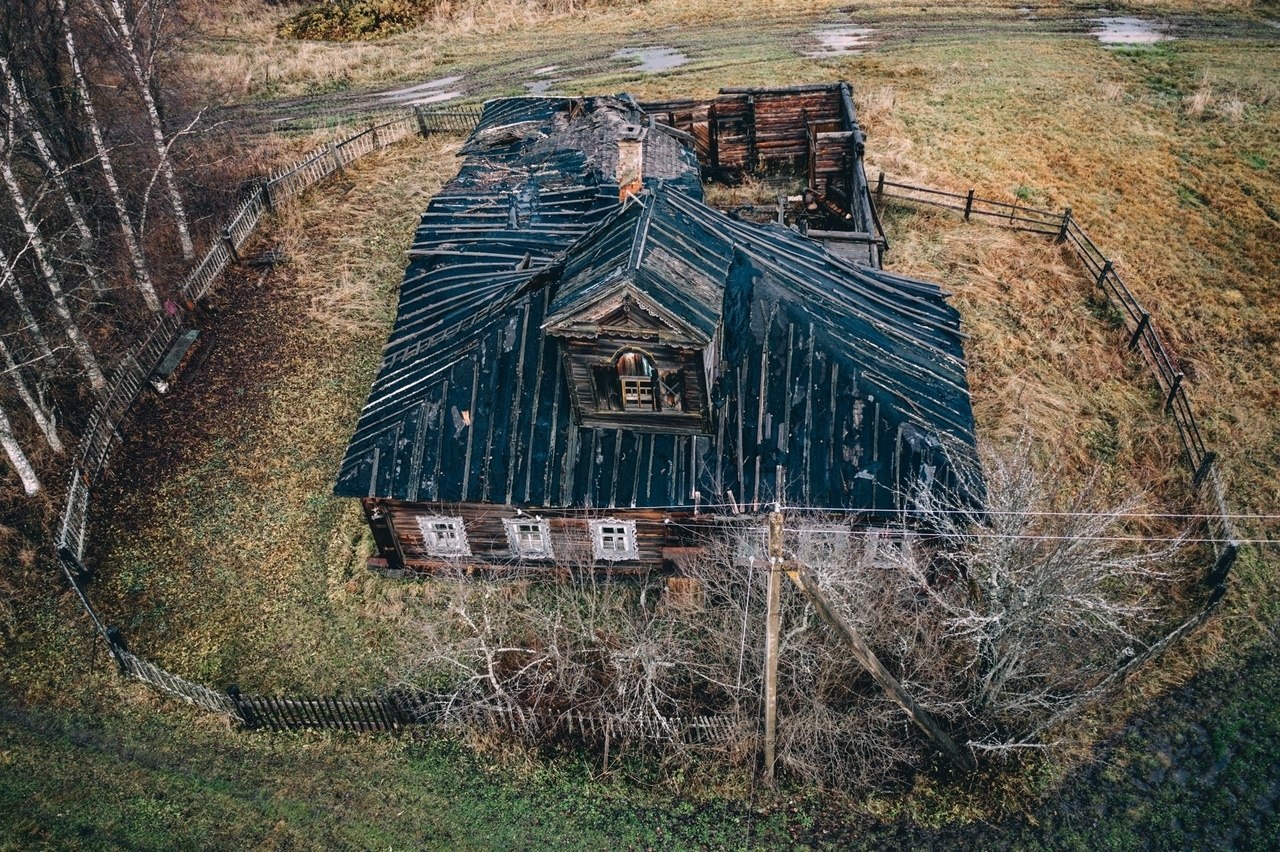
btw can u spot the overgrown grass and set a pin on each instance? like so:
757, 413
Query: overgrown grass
230, 562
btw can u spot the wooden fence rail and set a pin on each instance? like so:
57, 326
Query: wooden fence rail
393, 710
1142, 337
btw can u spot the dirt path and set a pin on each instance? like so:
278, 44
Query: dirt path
574, 67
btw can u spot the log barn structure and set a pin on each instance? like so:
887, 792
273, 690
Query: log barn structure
589, 362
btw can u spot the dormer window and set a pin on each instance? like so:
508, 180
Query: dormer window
636, 377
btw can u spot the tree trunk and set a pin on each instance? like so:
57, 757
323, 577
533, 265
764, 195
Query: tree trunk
30, 482
142, 277
46, 155
44, 419
125, 33
10, 281
83, 352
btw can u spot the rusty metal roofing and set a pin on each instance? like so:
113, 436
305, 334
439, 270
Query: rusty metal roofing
837, 385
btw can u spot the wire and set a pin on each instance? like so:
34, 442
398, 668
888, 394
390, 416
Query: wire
1064, 537
740, 507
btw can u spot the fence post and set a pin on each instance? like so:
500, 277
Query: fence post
1066, 223
880, 187
373, 131
265, 189
243, 710
1222, 566
1143, 322
1106, 270
968, 205
1173, 391
1202, 470
773, 625
337, 158
422, 121
231, 245
68, 556
115, 639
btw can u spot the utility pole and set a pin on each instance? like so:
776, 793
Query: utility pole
773, 626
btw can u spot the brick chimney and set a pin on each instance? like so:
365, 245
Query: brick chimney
630, 160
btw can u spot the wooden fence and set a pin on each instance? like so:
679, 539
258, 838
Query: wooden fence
1141, 336
394, 710
131, 374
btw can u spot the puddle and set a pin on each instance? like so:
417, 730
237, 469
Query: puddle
435, 98
1121, 32
540, 87
413, 94
1275, 24
840, 41
652, 59
545, 70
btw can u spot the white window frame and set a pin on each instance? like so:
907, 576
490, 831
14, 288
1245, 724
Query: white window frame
750, 546
602, 528
444, 536
836, 545
520, 546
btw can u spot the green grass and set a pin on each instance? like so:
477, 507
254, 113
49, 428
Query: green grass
236, 565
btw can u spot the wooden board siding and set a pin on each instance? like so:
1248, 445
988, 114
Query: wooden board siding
831, 385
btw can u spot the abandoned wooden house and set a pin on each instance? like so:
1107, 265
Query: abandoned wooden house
589, 358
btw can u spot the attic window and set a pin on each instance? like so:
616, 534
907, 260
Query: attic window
529, 538
636, 375
444, 536
614, 540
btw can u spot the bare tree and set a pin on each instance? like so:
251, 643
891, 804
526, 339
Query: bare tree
19, 460
45, 153
9, 282
43, 260
141, 275
990, 619
44, 417
118, 22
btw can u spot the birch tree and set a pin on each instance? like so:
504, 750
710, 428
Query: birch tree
19, 460
141, 275
9, 282
45, 153
16, 104
43, 417
84, 353
113, 13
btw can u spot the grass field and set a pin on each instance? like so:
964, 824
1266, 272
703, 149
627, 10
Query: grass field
225, 559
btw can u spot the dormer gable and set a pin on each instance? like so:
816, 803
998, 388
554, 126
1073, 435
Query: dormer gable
623, 309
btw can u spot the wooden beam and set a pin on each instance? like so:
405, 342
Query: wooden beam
773, 627
960, 758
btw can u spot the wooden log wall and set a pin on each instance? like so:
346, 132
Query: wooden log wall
762, 131
571, 539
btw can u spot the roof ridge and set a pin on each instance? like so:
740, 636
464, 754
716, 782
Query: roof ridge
641, 235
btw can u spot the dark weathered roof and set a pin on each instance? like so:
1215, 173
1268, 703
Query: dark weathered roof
646, 249
839, 383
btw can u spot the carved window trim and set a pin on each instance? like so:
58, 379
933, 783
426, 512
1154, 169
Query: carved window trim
827, 546
529, 538
614, 540
444, 536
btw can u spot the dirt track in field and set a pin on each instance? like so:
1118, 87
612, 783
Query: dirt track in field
575, 67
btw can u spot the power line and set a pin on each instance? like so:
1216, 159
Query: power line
743, 510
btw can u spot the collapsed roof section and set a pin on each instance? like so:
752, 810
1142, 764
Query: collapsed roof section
830, 384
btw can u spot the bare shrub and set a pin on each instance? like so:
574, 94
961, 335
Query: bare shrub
990, 620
